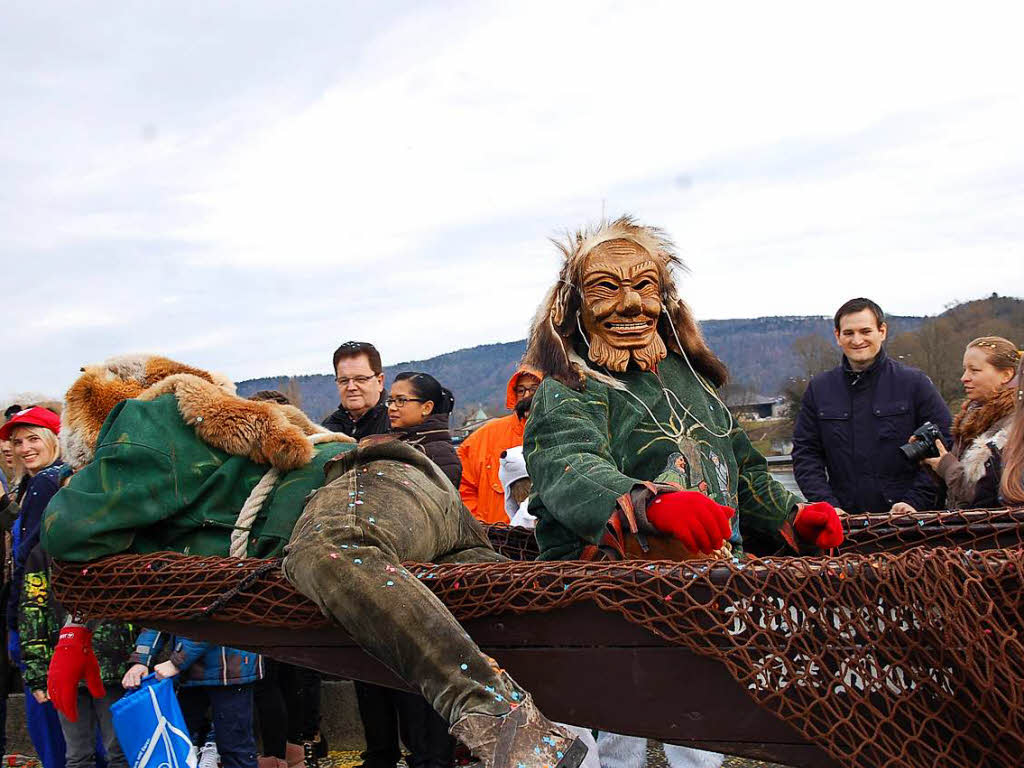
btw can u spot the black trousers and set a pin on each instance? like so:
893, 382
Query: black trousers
287, 702
386, 714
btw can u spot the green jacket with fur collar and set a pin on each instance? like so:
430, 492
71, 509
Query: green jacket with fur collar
154, 486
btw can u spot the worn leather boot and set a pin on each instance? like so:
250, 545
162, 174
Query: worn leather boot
523, 738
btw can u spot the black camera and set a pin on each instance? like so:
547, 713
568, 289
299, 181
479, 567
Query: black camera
924, 446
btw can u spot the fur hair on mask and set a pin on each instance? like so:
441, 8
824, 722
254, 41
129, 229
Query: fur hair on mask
555, 332
267, 433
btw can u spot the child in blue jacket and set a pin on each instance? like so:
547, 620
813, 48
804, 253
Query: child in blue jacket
211, 676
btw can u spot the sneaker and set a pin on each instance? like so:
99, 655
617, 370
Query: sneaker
208, 755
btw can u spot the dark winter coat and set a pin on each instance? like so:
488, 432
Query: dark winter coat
373, 422
434, 438
40, 618
33, 495
850, 428
200, 663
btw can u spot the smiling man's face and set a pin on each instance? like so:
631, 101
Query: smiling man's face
621, 306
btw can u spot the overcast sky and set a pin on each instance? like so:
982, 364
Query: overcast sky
243, 185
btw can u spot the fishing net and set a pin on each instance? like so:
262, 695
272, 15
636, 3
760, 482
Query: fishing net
883, 655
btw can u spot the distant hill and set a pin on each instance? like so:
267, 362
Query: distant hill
758, 351
937, 346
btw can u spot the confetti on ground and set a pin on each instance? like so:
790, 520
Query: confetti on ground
655, 759
350, 759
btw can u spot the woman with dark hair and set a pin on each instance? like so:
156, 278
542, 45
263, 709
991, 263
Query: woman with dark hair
419, 409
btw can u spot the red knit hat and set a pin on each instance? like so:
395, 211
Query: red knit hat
32, 417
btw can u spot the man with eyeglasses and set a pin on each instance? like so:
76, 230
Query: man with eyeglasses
480, 453
360, 378
362, 412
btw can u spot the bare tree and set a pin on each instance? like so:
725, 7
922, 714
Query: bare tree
290, 388
815, 353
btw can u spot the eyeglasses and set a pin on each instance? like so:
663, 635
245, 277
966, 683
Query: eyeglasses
360, 381
401, 400
523, 391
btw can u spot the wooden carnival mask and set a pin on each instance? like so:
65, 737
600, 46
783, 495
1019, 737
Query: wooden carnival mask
621, 289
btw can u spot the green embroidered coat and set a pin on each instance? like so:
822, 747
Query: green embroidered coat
585, 450
154, 485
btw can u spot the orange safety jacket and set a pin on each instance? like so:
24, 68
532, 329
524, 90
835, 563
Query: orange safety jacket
480, 454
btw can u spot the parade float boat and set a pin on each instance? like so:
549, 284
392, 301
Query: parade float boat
903, 649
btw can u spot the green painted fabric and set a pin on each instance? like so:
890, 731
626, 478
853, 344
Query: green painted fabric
586, 449
154, 485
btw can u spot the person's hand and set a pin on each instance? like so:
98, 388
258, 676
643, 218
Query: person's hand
165, 669
902, 508
40, 697
73, 661
933, 462
133, 677
699, 522
819, 524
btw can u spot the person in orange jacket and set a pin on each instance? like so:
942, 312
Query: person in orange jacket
479, 453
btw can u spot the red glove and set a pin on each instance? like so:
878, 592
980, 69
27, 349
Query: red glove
819, 524
697, 521
73, 661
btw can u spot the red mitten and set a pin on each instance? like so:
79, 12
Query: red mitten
699, 522
819, 524
73, 661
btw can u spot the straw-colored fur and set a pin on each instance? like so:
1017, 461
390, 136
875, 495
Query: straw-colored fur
554, 333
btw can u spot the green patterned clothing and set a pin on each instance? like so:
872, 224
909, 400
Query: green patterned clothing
40, 619
595, 452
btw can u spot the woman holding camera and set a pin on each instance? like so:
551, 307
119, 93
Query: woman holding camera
971, 472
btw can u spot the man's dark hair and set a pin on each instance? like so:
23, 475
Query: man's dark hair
11, 410
355, 349
859, 305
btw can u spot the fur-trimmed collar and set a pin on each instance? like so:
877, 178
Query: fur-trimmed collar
974, 419
265, 432
977, 454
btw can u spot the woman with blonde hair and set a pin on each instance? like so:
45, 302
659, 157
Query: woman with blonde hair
1011, 488
33, 435
971, 471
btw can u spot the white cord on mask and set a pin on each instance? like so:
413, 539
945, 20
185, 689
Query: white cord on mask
670, 395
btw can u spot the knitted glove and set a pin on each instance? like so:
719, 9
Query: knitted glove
73, 661
819, 524
697, 521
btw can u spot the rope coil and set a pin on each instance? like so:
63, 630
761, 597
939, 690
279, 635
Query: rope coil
257, 496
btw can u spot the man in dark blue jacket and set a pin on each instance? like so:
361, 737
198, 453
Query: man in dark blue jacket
854, 418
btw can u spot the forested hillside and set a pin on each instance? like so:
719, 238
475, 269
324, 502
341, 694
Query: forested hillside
759, 353
766, 355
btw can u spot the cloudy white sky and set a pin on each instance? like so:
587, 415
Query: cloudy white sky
243, 185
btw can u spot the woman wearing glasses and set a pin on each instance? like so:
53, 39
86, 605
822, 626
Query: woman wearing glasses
419, 409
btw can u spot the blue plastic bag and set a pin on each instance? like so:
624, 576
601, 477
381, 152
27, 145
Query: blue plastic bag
151, 728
